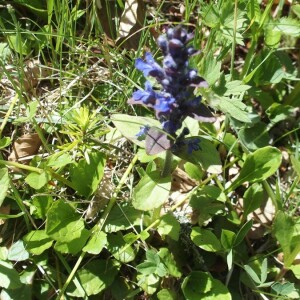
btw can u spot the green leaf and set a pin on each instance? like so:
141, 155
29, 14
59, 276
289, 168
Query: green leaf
95, 277
165, 294
122, 216
37, 241
37, 180
9, 277
86, 176
259, 166
227, 238
296, 164
288, 235
148, 283
169, 226
4, 183
264, 270
169, 262
235, 108
119, 248
151, 192
30, 113
96, 243
296, 270
152, 265
200, 285
130, 126
66, 227
17, 252
41, 205
289, 26
252, 274
242, 233
254, 137
270, 69
208, 157
283, 289
60, 160
5, 141
253, 198
205, 239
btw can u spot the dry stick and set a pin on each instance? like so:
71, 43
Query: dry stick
99, 225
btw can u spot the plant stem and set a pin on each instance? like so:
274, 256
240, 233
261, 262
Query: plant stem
168, 164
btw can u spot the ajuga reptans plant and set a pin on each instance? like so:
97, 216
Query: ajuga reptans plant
174, 100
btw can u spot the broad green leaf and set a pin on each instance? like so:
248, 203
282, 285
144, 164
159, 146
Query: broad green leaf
65, 226
283, 289
58, 161
40, 205
169, 226
95, 277
243, 232
37, 241
296, 10
289, 26
169, 262
5, 141
117, 244
258, 166
254, 137
73, 246
205, 239
279, 112
96, 243
151, 192
17, 252
235, 108
270, 70
200, 285
130, 126
285, 231
207, 202
148, 283
253, 198
4, 183
236, 87
227, 238
122, 216
86, 175
207, 156
37, 180
9, 277
165, 294
296, 270
272, 36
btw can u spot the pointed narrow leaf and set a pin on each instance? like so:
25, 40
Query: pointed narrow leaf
4, 183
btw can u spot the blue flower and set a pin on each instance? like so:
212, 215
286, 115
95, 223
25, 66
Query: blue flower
175, 100
143, 132
147, 97
149, 67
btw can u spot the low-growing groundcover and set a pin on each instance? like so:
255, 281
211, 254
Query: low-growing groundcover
193, 193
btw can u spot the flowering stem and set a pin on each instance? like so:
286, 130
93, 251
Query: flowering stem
168, 164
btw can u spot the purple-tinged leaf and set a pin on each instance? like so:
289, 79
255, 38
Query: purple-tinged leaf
157, 141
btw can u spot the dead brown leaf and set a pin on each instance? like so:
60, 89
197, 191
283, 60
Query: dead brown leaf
25, 146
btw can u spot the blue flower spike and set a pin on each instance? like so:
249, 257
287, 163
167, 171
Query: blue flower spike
175, 100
